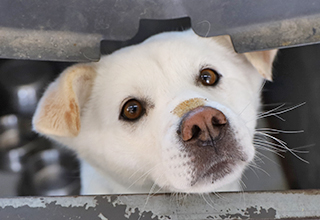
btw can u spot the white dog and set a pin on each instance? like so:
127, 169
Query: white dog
177, 112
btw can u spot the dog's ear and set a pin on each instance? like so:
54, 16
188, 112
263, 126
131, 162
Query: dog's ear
262, 61
58, 112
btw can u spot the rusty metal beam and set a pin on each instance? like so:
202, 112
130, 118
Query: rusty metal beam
68, 30
244, 205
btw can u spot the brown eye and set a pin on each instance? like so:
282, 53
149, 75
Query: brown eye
209, 77
132, 110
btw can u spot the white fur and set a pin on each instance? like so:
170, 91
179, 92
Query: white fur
122, 157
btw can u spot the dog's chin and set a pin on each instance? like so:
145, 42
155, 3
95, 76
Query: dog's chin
219, 177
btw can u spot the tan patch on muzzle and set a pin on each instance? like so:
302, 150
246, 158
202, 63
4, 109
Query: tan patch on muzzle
188, 105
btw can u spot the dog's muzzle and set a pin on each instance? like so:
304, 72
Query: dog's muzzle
207, 137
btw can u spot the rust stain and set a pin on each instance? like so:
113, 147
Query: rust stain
293, 192
188, 105
286, 43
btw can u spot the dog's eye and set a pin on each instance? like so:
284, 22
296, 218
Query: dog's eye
209, 77
132, 110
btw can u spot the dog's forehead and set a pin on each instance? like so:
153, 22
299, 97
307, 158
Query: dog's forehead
165, 66
164, 57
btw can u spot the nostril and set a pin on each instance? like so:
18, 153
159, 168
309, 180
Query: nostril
195, 131
219, 120
189, 132
215, 121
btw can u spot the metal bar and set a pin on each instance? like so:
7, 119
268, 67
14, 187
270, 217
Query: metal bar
243, 205
71, 30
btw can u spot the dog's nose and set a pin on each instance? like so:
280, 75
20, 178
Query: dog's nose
203, 124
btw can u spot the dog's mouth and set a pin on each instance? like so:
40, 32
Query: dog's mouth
215, 172
215, 177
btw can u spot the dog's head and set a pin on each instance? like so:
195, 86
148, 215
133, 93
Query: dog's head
177, 109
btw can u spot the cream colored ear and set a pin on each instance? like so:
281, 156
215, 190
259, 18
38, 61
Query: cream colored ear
58, 112
262, 61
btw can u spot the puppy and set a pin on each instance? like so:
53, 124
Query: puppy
175, 113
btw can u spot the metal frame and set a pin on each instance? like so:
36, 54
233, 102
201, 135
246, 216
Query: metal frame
242, 205
69, 30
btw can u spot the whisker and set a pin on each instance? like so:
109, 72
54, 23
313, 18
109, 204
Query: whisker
285, 146
262, 155
273, 104
263, 143
242, 185
206, 201
254, 171
291, 108
135, 172
273, 113
143, 176
173, 196
259, 159
277, 116
268, 113
267, 143
180, 197
283, 143
149, 195
270, 150
212, 202
300, 151
259, 168
244, 176
185, 196
305, 146
160, 188
270, 144
154, 185
218, 195
272, 110
279, 131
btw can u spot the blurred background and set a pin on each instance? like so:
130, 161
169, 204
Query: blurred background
32, 165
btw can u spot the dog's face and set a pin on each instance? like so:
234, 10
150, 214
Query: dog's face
177, 110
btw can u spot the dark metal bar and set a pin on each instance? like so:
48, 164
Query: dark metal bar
70, 30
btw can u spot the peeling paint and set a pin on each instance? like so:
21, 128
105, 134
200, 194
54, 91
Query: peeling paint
86, 202
253, 205
20, 202
252, 212
129, 211
102, 217
135, 210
